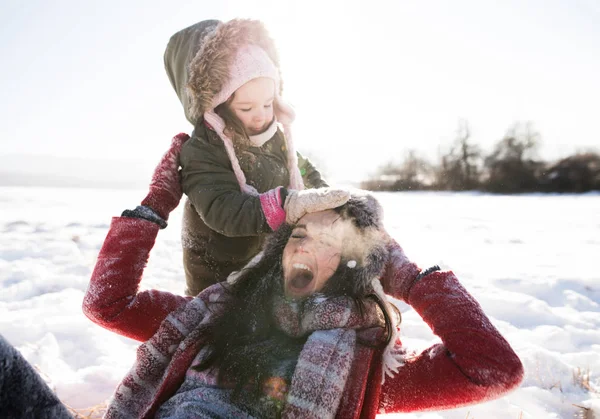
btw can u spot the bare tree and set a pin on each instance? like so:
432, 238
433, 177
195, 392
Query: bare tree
459, 166
511, 166
413, 173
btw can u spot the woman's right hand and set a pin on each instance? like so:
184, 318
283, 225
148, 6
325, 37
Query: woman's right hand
165, 188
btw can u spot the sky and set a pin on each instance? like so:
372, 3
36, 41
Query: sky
369, 80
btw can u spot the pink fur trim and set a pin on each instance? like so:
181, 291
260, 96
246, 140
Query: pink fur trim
272, 207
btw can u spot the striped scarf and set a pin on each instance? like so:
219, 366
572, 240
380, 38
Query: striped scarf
333, 327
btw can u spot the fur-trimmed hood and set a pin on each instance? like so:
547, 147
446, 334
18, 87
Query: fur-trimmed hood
197, 59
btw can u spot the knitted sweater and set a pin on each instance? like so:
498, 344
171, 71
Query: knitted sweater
473, 363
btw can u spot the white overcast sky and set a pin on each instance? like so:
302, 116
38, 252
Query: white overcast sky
368, 79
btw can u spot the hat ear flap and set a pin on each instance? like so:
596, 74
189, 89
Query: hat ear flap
376, 261
352, 278
364, 210
373, 268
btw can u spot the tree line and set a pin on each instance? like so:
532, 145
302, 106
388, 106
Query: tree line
511, 167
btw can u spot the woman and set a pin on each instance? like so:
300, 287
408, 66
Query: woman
305, 331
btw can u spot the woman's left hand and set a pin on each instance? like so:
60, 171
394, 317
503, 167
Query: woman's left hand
400, 272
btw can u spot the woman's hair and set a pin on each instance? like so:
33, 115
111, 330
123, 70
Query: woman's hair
238, 337
234, 128
245, 335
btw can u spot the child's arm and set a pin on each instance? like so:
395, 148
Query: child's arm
112, 299
211, 185
474, 363
310, 175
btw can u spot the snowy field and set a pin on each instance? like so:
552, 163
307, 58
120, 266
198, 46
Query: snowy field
531, 261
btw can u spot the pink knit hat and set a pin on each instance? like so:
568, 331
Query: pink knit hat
252, 62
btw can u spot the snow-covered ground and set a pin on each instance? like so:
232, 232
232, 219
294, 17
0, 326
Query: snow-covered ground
531, 261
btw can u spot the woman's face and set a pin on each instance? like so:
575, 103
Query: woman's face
253, 104
313, 252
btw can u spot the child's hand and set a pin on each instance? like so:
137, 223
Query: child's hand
165, 187
299, 203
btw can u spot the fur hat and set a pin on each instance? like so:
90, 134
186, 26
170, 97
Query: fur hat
234, 53
367, 215
364, 253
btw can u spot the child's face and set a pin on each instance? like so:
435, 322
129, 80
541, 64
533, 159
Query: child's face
313, 252
253, 104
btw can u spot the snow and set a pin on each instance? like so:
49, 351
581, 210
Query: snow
530, 261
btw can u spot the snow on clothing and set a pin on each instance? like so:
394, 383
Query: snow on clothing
222, 227
224, 58
472, 364
23, 393
326, 357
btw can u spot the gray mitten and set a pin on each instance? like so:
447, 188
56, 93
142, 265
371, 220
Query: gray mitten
299, 203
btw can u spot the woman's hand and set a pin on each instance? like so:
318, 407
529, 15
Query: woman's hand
400, 272
165, 187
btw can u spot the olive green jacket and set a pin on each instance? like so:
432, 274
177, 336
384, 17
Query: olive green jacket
222, 227
210, 183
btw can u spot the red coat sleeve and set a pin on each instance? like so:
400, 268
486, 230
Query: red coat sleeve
112, 299
474, 363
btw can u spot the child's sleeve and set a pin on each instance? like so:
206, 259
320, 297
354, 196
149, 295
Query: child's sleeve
112, 299
310, 175
210, 183
474, 363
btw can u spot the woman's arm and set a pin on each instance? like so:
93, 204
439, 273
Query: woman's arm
474, 363
112, 299
213, 189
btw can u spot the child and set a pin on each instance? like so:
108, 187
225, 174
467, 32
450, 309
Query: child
238, 164
308, 328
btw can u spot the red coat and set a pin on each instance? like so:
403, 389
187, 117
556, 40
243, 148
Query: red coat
474, 363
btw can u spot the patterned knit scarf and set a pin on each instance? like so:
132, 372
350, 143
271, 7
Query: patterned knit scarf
333, 327
326, 359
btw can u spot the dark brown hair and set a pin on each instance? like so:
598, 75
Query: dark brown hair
244, 338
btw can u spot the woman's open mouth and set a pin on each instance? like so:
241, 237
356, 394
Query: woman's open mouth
301, 277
